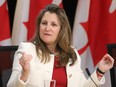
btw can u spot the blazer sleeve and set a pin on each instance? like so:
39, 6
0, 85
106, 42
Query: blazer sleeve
92, 81
14, 80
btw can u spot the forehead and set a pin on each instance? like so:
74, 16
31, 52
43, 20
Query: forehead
51, 16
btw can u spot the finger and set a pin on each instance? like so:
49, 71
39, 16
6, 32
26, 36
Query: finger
24, 62
24, 55
109, 60
107, 56
25, 58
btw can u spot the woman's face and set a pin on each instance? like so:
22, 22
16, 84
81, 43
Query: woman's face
49, 28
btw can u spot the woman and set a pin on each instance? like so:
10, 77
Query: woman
49, 56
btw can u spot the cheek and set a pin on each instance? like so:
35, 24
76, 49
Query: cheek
57, 33
41, 29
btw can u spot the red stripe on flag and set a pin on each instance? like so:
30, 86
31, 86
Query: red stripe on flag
4, 22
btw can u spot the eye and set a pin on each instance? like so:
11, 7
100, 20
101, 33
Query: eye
54, 24
44, 23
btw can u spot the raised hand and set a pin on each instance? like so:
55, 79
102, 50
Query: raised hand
106, 63
24, 62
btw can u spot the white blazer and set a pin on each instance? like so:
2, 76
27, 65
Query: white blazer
40, 72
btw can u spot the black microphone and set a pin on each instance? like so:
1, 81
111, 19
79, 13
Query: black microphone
89, 74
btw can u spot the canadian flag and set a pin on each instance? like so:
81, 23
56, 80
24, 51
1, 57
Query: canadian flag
94, 28
4, 24
25, 17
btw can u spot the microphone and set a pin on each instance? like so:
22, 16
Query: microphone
89, 74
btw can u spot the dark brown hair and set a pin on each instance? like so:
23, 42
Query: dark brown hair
63, 46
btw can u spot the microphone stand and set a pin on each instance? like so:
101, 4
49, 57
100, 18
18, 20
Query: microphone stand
88, 73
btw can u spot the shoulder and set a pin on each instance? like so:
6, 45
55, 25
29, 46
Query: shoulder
76, 51
77, 54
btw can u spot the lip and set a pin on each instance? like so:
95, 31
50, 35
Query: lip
47, 34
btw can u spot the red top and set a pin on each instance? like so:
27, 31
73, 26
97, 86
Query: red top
59, 74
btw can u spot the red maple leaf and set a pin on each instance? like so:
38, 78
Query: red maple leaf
100, 28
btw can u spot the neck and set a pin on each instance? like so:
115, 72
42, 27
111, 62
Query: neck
52, 49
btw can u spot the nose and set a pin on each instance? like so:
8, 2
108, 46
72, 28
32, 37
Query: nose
48, 27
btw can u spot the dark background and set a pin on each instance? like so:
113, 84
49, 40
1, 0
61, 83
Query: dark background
69, 7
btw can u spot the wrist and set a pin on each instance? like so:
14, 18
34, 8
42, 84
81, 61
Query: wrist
24, 76
100, 71
99, 74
